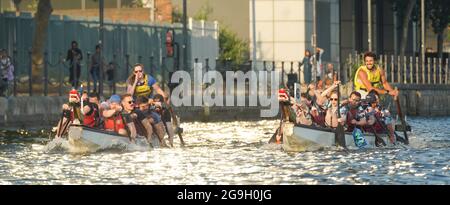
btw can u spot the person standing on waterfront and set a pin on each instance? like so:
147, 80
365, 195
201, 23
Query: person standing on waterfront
74, 56
306, 63
371, 77
319, 66
95, 66
6, 73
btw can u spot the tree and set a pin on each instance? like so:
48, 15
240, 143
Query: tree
439, 13
404, 9
231, 48
205, 11
41, 20
177, 16
17, 4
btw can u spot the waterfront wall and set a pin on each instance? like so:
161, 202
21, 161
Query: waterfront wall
40, 111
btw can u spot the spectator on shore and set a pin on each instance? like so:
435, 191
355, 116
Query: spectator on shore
110, 75
74, 56
306, 63
95, 66
319, 67
6, 73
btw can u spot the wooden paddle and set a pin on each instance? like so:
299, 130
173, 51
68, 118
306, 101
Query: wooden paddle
339, 135
178, 129
378, 140
402, 119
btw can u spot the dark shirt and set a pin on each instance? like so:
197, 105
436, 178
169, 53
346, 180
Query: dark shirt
71, 52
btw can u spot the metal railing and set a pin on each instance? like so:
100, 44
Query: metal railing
406, 69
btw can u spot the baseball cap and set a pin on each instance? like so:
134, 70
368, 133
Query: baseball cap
114, 98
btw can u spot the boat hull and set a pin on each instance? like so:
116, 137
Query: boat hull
91, 140
298, 138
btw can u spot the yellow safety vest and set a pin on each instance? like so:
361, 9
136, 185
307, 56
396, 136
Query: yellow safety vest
373, 77
144, 89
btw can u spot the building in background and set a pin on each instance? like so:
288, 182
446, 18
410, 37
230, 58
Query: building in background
115, 10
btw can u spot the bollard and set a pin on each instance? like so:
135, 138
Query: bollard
61, 74
88, 79
292, 67
14, 72
282, 72
30, 85
273, 65
264, 65
207, 64
127, 64
114, 73
163, 72
45, 74
151, 65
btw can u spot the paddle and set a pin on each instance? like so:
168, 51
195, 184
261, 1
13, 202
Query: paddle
273, 139
178, 129
378, 140
398, 138
339, 135
402, 119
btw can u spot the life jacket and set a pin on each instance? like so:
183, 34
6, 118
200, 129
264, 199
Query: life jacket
374, 78
143, 89
92, 118
114, 123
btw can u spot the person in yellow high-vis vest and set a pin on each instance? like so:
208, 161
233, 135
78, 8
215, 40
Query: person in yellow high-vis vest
140, 84
371, 77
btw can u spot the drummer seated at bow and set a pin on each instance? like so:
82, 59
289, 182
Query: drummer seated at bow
140, 84
371, 77
71, 114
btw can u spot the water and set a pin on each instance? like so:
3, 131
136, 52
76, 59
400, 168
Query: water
232, 153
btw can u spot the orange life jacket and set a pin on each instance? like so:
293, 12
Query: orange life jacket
114, 123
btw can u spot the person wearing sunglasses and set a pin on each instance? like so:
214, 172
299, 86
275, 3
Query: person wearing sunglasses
353, 112
136, 121
331, 119
140, 84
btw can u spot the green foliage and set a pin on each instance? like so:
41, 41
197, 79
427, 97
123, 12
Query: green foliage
204, 12
439, 13
177, 15
231, 47
33, 5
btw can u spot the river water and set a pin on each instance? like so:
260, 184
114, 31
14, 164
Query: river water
231, 153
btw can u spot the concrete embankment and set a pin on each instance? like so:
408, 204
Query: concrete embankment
44, 112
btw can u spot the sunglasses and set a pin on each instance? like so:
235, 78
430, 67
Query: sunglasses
333, 99
138, 71
131, 102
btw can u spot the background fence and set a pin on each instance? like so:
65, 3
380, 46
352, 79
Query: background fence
125, 43
406, 69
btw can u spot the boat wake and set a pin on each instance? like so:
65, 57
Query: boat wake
58, 145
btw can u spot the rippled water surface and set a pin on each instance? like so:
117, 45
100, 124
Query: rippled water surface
232, 153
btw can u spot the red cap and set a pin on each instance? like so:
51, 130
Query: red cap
73, 92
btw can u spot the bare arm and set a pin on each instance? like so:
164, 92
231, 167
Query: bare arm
131, 88
86, 109
108, 113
